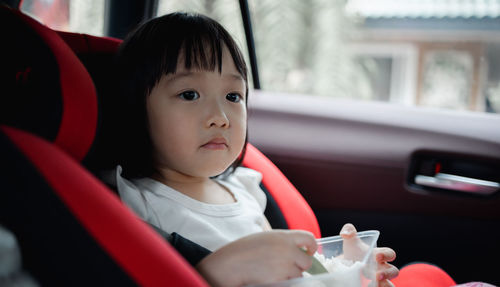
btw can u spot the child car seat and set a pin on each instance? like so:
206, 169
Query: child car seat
71, 229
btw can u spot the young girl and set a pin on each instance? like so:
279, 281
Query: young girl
183, 83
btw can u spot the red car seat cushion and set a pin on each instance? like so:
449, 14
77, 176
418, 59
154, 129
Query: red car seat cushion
55, 96
84, 43
422, 274
297, 212
145, 256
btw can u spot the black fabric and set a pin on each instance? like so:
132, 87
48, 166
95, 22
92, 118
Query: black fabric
56, 249
192, 252
31, 94
11, 3
273, 213
102, 155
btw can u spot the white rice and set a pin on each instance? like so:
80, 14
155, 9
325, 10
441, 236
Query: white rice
345, 273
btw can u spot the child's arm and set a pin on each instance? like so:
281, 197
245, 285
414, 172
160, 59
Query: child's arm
259, 258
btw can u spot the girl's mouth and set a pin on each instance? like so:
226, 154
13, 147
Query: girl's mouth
216, 144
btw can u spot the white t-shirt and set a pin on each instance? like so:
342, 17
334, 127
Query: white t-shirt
209, 225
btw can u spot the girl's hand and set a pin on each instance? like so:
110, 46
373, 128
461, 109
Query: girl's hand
385, 271
354, 248
260, 258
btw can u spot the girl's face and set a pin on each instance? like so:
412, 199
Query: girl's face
197, 119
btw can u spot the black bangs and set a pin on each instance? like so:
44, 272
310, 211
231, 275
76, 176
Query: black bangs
153, 50
202, 52
198, 41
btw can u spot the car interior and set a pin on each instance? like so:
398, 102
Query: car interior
429, 187
73, 220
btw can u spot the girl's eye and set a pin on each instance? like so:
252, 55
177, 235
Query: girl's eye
189, 95
233, 97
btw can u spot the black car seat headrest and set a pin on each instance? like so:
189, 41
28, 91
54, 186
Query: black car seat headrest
97, 55
47, 89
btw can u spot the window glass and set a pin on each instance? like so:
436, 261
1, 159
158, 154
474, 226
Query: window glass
226, 12
82, 16
447, 79
413, 52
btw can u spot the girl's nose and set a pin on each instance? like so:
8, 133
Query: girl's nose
217, 117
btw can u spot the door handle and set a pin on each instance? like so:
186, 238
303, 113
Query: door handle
458, 183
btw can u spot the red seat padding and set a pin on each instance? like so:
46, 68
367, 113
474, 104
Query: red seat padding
84, 43
146, 257
74, 88
297, 212
421, 274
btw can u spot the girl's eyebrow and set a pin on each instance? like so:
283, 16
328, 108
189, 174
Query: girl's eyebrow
178, 75
235, 77
185, 74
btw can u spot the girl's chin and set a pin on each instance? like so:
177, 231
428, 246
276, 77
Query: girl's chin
212, 172
216, 166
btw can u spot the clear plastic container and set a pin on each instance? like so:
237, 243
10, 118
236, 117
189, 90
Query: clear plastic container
354, 267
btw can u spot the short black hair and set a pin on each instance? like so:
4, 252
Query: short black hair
151, 51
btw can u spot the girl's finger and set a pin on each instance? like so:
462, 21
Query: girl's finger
387, 271
384, 254
354, 248
304, 239
348, 231
385, 283
302, 260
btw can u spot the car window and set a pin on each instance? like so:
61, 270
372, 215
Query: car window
226, 12
426, 53
82, 16
423, 53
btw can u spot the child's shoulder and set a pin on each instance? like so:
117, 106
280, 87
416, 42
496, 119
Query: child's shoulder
245, 176
248, 181
128, 190
248, 173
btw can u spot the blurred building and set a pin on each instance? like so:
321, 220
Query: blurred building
443, 53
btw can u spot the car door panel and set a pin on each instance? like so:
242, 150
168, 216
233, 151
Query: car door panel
352, 163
